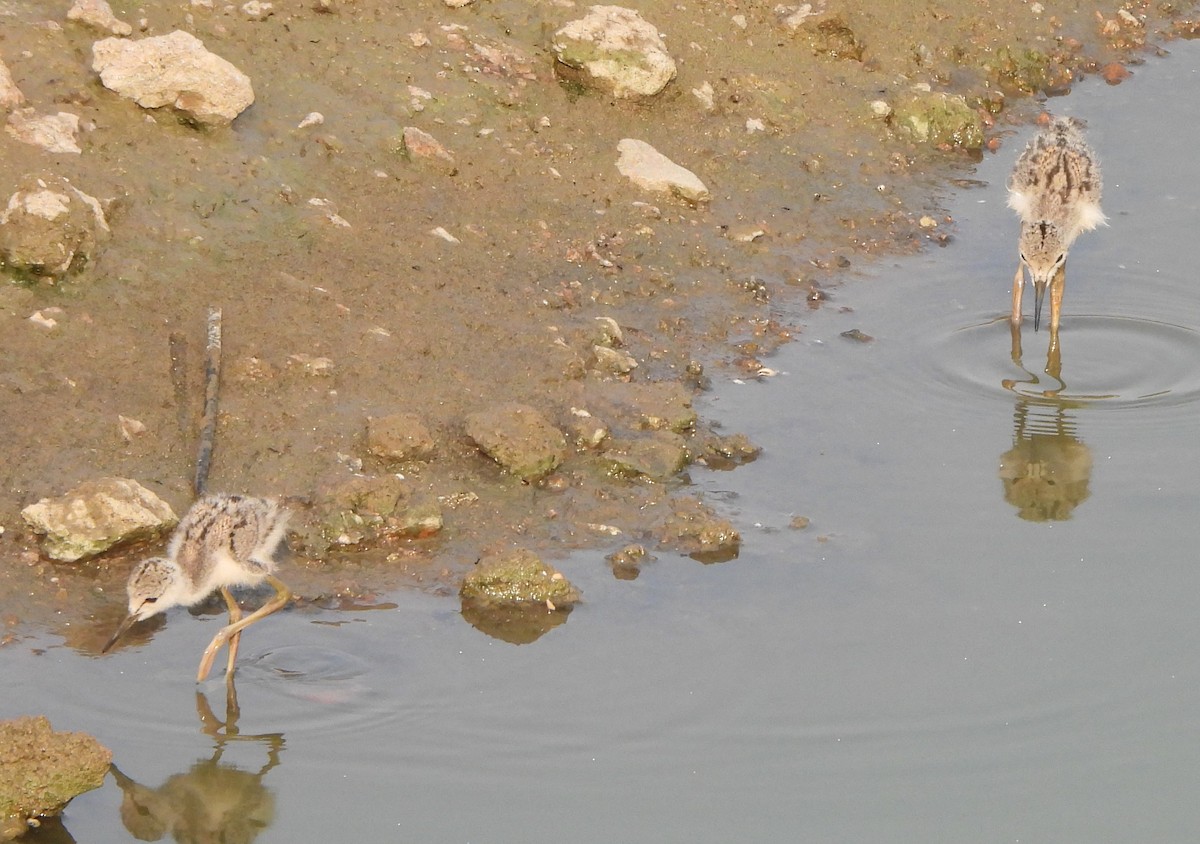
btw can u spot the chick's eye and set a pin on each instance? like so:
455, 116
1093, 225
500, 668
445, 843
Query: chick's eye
150, 601
1061, 258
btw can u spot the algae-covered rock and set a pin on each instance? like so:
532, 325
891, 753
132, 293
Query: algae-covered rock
627, 562
49, 228
613, 49
519, 438
41, 771
728, 452
941, 119
694, 529
518, 577
361, 511
96, 515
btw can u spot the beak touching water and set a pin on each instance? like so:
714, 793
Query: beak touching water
1039, 293
129, 621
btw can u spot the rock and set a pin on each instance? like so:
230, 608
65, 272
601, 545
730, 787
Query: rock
611, 361
794, 17
49, 227
418, 144
174, 70
56, 133
730, 451
457, 4
695, 530
401, 436
646, 167
41, 771
360, 512
586, 430
1115, 73
657, 455
829, 35
627, 563
613, 49
519, 438
256, 10
518, 577
97, 515
10, 94
98, 15
657, 406
941, 119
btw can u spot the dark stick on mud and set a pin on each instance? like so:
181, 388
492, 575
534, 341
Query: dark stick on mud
212, 384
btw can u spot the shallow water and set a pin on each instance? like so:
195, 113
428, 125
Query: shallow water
943, 654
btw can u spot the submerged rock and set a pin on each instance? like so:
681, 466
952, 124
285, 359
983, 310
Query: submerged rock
518, 577
614, 50
694, 529
97, 515
56, 133
50, 227
174, 70
519, 438
419, 145
648, 168
41, 771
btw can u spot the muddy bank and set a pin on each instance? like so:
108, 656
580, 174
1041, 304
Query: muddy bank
361, 279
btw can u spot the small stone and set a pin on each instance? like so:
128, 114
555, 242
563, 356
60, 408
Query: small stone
519, 438
613, 361
419, 144
256, 10
95, 516
755, 124
927, 222
706, 95
318, 367
881, 108
56, 133
400, 436
441, 232
43, 319
1115, 73
457, 4
313, 118
695, 530
98, 15
799, 522
648, 168
130, 428
857, 336
943, 120
627, 562
174, 70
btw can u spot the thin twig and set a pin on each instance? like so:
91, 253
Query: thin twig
212, 384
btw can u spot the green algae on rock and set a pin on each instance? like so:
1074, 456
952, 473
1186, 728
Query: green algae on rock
96, 515
41, 771
941, 119
518, 577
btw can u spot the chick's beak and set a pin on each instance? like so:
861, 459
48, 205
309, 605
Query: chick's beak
129, 621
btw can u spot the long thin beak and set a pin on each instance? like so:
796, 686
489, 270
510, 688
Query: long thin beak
1039, 292
129, 621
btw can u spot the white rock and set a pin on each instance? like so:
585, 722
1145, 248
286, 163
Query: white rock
57, 133
10, 94
615, 50
313, 118
457, 4
705, 95
98, 15
174, 70
648, 168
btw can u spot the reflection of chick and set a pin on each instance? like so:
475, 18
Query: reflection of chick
211, 802
1046, 476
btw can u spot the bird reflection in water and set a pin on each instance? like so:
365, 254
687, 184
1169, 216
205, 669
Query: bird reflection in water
211, 801
1047, 472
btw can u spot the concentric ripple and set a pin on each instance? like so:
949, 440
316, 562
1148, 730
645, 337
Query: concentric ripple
1104, 361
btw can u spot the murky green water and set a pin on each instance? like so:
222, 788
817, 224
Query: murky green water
943, 654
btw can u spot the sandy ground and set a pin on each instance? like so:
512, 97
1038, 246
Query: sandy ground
550, 238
